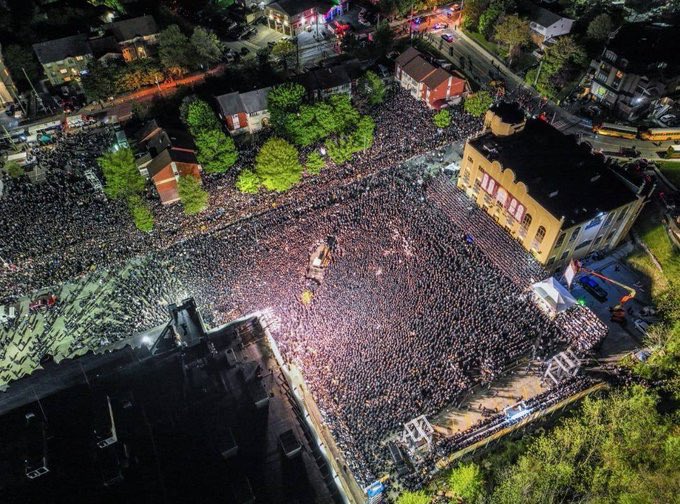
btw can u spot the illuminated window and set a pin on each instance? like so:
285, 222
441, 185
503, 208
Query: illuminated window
63, 71
526, 222
79, 58
540, 234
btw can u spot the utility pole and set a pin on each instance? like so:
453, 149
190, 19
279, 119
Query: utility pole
38, 100
540, 65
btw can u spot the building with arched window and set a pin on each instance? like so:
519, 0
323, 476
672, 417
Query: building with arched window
559, 200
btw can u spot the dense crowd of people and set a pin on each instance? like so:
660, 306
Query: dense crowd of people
412, 310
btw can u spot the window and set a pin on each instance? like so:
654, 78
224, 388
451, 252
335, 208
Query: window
560, 239
564, 255
583, 244
79, 58
608, 220
470, 159
551, 260
501, 197
63, 71
574, 235
540, 234
524, 226
466, 176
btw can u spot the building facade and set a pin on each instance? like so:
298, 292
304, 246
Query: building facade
64, 60
551, 194
245, 112
295, 16
8, 91
135, 37
432, 85
546, 25
634, 69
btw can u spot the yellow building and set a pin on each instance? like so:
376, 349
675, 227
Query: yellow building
550, 193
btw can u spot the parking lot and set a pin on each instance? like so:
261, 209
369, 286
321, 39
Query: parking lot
623, 337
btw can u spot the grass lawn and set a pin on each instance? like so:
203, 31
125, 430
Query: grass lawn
489, 46
654, 235
671, 169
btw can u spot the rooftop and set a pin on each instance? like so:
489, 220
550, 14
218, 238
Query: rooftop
541, 15
407, 56
646, 46
295, 7
418, 68
561, 175
129, 29
60, 49
509, 112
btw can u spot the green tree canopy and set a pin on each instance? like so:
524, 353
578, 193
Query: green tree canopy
340, 149
216, 150
314, 163
466, 482
286, 51
373, 88
513, 32
138, 74
383, 38
208, 48
565, 52
121, 175
175, 50
193, 197
414, 498
442, 119
472, 11
141, 215
198, 115
478, 103
248, 182
286, 97
100, 81
363, 135
13, 169
487, 21
277, 165
600, 27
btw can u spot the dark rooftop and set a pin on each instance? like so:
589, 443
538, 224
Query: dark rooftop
294, 7
540, 15
60, 49
561, 175
128, 29
645, 46
418, 68
509, 112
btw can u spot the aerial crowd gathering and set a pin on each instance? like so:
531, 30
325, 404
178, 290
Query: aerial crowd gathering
414, 308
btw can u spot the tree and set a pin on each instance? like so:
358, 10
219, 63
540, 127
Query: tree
138, 74
100, 81
277, 165
472, 11
284, 50
216, 150
373, 88
174, 50
121, 175
19, 59
383, 38
286, 97
193, 197
363, 135
208, 47
442, 119
477, 104
466, 482
315, 163
600, 27
248, 182
513, 32
198, 116
487, 20
13, 169
559, 58
413, 498
141, 215
340, 149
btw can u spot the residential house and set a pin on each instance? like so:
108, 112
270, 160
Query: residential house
433, 85
8, 90
295, 16
64, 60
163, 155
244, 112
546, 24
337, 79
638, 66
135, 37
553, 195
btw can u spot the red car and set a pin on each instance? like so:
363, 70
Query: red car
46, 301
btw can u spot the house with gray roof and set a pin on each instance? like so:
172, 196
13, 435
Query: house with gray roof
64, 60
244, 112
135, 36
546, 24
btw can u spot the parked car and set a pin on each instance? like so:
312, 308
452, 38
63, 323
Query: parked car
440, 26
641, 325
448, 37
593, 288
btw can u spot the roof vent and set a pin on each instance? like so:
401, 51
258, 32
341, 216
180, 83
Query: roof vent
553, 194
595, 178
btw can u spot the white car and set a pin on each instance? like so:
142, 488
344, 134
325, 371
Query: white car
641, 326
440, 26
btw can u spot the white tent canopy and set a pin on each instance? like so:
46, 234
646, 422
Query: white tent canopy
552, 296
